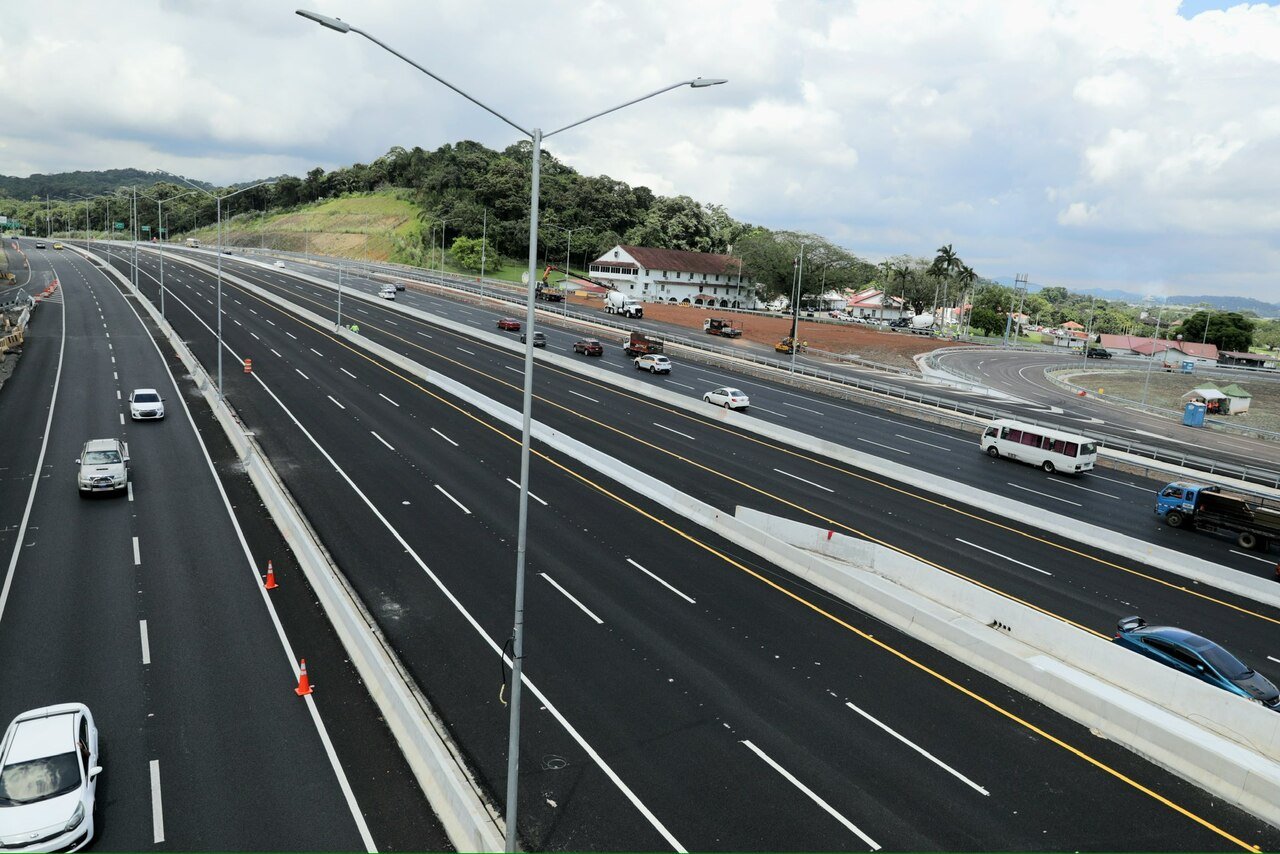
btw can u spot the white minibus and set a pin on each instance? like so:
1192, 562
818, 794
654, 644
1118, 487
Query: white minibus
1051, 450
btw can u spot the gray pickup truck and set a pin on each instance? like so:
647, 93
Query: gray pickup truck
104, 466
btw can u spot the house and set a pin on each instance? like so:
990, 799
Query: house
672, 275
872, 302
1072, 327
1171, 353
1248, 360
1227, 400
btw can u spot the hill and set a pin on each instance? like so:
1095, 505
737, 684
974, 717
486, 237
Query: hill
60, 185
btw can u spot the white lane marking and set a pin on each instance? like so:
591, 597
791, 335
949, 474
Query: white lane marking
922, 442
291, 335
380, 439
509, 368
1094, 474
805, 408
157, 808
129, 488
677, 432
272, 322
1255, 557
531, 495
137, 557
802, 480
388, 400
273, 350
252, 311
918, 749
770, 411
391, 322
339, 405
236, 301
688, 599
236, 322
1273, 658
443, 436
362, 311
790, 778
122, 418
1006, 557
583, 396
348, 373
1044, 495
1085, 488
115, 376
301, 374
423, 334
468, 352
117, 394
571, 598
255, 336
446, 494
146, 644
886, 447
317, 352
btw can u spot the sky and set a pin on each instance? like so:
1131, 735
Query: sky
1131, 144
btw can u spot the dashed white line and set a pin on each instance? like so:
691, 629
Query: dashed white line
531, 495
446, 494
380, 439
1094, 474
157, 810
348, 373
688, 599
886, 447
146, 644
571, 598
802, 480
255, 336
682, 385
273, 350
362, 311
468, 352
291, 335
1255, 557
509, 368
918, 749
317, 352
583, 396
921, 442
137, 556
117, 394
272, 322
129, 488
388, 400
423, 334
443, 436
790, 778
670, 430
1085, 488
391, 322
1273, 658
1006, 557
301, 374
1044, 495
805, 408
122, 418
339, 405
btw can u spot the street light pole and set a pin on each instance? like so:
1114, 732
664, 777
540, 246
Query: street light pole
484, 239
1154, 343
536, 136
795, 309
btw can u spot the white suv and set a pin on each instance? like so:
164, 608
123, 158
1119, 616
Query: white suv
104, 466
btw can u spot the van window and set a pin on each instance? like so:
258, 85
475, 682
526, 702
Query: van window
1031, 439
1070, 449
1012, 435
992, 431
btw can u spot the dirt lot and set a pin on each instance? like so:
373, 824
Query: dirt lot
890, 348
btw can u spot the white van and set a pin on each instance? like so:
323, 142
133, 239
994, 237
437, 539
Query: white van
1051, 450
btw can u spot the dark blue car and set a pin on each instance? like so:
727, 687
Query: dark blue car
1196, 656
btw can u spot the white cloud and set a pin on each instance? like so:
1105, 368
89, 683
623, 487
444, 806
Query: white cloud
1088, 142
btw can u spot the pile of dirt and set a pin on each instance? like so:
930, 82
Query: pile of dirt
890, 348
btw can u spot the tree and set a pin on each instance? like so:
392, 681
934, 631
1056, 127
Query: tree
987, 320
467, 254
1228, 330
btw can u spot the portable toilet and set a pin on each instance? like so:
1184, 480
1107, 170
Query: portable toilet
1188, 366
1193, 414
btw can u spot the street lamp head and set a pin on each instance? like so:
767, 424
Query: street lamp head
702, 82
326, 21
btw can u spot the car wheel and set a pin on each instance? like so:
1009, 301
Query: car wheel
1247, 540
1047, 465
726, 404
1174, 519
993, 451
706, 398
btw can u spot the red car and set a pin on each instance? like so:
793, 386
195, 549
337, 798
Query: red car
509, 323
588, 347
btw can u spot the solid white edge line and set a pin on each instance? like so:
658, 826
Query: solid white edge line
157, 807
802, 480
388, 400
830, 810
670, 430
918, 749
571, 598
380, 439
688, 599
137, 557
446, 494
443, 436
357, 815
1005, 557
35, 477
531, 495
146, 643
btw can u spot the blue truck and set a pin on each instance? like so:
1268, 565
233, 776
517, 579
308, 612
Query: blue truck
1253, 520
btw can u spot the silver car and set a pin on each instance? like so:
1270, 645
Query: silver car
104, 466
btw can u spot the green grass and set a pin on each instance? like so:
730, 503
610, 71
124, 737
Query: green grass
1166, 390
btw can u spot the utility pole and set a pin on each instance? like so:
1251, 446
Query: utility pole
1019, 293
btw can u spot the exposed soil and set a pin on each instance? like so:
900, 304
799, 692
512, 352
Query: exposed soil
890, 348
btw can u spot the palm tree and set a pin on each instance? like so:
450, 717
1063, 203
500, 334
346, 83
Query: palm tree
903, 273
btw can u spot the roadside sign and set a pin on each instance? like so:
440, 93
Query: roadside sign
118, 226
146, 228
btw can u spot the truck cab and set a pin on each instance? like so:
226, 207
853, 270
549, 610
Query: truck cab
1181, 497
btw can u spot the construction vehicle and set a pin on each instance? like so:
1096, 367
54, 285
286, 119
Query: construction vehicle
546, 291
639, 344
615, 302
1254, 521
723, 328
786, 345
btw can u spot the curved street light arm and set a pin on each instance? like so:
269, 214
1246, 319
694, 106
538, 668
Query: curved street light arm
696, 83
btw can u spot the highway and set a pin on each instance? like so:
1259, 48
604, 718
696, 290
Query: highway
682, 684
148, 608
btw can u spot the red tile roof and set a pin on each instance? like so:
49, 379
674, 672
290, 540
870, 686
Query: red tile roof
676, 259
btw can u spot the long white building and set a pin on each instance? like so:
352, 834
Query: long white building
671, 275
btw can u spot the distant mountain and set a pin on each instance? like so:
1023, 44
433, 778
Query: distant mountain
63, 185
1111, 293
1263, 309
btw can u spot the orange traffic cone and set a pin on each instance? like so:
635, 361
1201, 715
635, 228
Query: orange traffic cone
304, 684
271, 578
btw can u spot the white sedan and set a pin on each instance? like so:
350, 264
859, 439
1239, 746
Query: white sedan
729, 398
387, 292
48, 778
146, 404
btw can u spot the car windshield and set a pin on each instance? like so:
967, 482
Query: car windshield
37, 779
146, 397
99, 458
1221, 660
733, 392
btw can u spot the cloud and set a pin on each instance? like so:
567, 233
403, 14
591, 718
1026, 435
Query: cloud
1039, 137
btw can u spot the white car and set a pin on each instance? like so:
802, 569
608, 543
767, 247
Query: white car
48, 778
387, 292
654, 364
145, 404
279, 263
729, 398
104, 466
